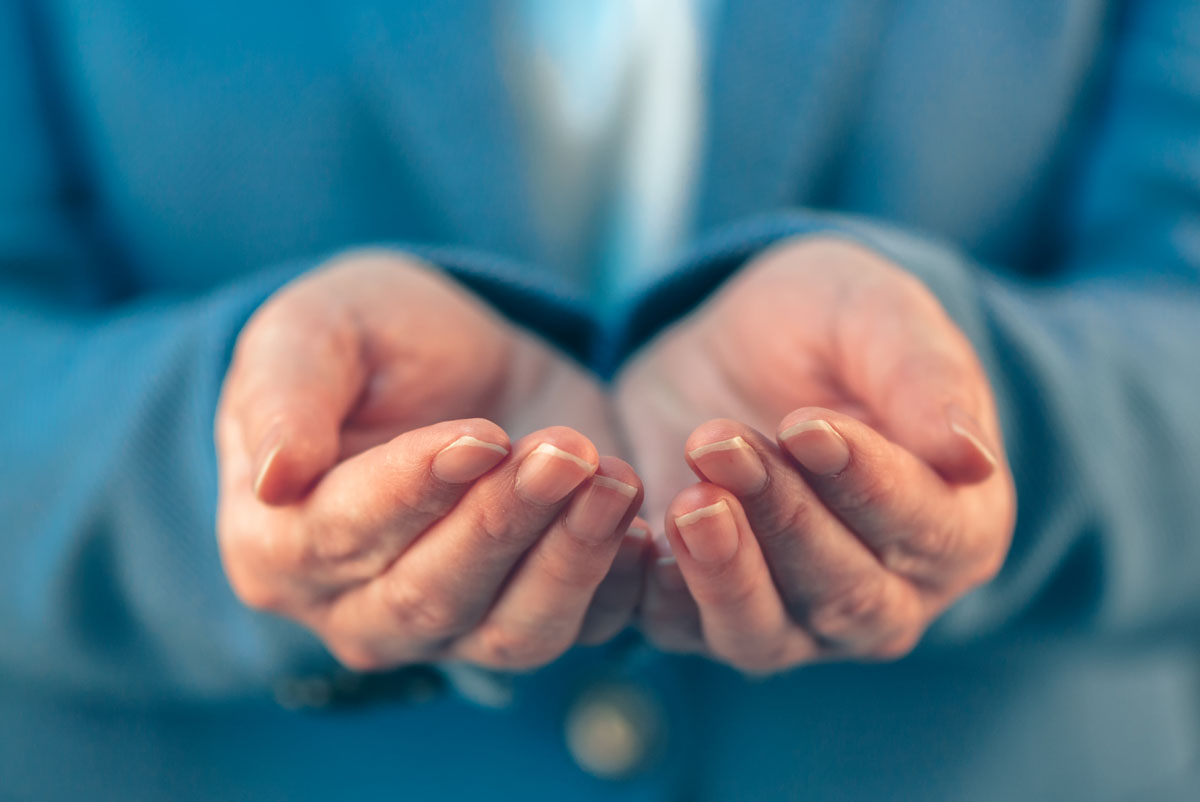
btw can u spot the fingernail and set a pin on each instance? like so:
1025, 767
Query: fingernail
267, 452
549, 474
817, 446
732, 464
466, 459
963, 424
594, 514
639, 533
709, 533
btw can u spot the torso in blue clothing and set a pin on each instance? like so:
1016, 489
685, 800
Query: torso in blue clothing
198, 144
223, 137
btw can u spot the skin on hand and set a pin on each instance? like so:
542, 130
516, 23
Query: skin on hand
881, 496
369, 488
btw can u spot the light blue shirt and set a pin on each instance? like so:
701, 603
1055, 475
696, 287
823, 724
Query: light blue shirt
612, 100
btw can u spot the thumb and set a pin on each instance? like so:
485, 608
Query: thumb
935, 406
296, 384
919, 376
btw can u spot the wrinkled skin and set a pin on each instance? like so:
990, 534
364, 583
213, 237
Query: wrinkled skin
336, 511
911, 509
820, 448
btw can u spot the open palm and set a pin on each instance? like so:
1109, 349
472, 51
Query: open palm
825, 342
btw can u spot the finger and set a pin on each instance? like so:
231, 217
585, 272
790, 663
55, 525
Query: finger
896, 504
442, 585
742, 615
659, 398
615, 601
828, 578
538, 614
919, 375
295, 375
371, 507
668, 616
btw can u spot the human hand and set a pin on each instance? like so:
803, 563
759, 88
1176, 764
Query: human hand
880, 496
369, 490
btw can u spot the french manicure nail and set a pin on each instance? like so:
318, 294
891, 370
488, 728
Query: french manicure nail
817, 446
466, 459
963, 424
732, 464
709, 533
639, 533
594, 514
548, 474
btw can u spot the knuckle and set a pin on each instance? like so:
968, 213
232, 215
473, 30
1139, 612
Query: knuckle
351, 555
403, 492
899, 558
580, 570
939, 541
865, 494
421, 501
357, 534
861, 608
425, 615
925, 554
501, 528
338, 545
796, 518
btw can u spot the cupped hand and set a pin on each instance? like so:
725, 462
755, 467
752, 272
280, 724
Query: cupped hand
878, 494
369, 488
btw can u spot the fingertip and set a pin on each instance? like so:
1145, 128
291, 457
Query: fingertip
287, 466
564, 439
482, 429
971, 460
711, 431
693, 497
720, 451
601, 511
702, 521
619, 470
812, 439
266, 485
478, 446
554, 462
